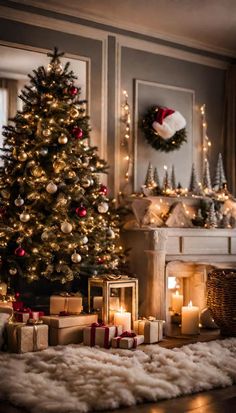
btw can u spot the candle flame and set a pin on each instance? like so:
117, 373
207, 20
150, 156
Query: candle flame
190, 304
122, 310
177, 292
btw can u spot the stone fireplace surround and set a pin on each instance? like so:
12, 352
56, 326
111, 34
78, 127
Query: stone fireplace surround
185, 253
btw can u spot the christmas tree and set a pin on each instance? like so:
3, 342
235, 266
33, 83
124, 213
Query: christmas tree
149, 180
220, 179
211, 221
57, 221
207, 178
193, 186
173, 179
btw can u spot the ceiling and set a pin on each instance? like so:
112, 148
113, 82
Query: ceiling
205, 24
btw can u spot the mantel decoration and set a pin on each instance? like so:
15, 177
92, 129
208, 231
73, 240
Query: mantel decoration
164, 128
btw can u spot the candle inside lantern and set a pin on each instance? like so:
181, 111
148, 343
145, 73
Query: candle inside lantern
123, 318
177, 302
3, 288
190, 319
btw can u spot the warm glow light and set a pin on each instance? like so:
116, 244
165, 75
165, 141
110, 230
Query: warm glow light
171, 283
165, 167
190, 304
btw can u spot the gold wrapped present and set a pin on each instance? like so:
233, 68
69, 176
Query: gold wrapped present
67, 329
23, 338
151, 329
65, 304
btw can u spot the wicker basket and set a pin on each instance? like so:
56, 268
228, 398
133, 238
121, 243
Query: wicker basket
221, 299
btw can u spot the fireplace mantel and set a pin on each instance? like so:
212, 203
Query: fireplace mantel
152, 248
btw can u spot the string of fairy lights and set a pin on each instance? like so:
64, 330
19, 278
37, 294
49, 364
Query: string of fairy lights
125, 141
206, 141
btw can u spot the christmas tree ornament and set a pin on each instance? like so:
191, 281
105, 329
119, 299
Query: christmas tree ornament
31, 164
58, 165
85, 182
81, 211
24, 217
77, 132
47, 132
5, 194
44, 236
22, 156
71, 174
73, 91
66, 227
51, 188
74, 113
19, 251
19, 201
85, 161
62, 139
43, 151
12, 271
103, 207
100, 260
84, 240
110, 233
37, 171
75, 257
103, 189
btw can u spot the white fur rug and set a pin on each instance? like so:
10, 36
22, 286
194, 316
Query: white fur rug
80, 379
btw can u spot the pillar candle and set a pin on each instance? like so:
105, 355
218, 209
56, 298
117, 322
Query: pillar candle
190, 319
177, 302
123, 318
3, 288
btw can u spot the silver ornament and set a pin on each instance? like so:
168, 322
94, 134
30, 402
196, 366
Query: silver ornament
103, 207
43, 151
24, 217
85, 240
75, 257
110, 233
51, 188
44, 236
66, 227
19, 201
62, 139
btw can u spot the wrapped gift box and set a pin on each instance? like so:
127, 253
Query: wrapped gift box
22, 338
127, 342
21, 316
151, 329
71, 305
68, 329
100, 335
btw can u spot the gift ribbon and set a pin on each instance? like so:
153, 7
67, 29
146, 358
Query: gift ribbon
94, 326
128, 334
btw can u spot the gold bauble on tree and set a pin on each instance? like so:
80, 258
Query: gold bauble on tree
74, 113
85, 182
62, 139
51, 188
24, 217
46, 132
58, 165
71, 174
22, 156
37, 171
66, 227
75, 257
19, 201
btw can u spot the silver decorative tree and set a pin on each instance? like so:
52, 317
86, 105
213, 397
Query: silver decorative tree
173, 179
193, 186
211, 221
220, 179
207, 187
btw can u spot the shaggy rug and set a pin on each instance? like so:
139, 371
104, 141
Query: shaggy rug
80, 379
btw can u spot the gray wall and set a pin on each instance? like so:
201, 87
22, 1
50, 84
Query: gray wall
207, 84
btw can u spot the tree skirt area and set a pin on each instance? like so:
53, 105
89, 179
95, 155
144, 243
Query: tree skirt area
75, 378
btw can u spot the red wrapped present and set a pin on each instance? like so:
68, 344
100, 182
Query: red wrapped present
99, 334
127, 340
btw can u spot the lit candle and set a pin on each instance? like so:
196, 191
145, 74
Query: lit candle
177, 302
190, 319
3, 288
123, 318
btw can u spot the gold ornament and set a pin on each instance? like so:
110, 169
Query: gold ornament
30, 164
12, 271
5, 194
37, 171
46, 132
84, 240
74, 113
62, 139
22, 156
58, 165
44, 236
85, 182
51, 188
71, 174
75, 257
24, 217
66, 227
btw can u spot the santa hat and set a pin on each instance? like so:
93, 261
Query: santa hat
168, 122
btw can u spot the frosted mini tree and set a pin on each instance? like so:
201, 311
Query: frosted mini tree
173, 179
220, 179
149, 181
193, 186
56, 218
207, 178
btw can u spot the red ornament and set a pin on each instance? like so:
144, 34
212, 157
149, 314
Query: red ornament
81, 211
73, 90
17, 295
20, 252
103, 190
77, 132
100, 260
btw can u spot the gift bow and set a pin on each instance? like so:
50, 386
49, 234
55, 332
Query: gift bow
94, 325
128, 334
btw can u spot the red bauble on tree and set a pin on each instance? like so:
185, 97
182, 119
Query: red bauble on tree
103, 190
20, 252
73, 91
77, 132
81, 211
100, 260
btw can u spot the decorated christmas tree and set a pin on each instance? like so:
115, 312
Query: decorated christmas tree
57, 221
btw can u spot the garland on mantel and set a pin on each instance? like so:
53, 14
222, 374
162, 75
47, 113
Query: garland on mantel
164, 129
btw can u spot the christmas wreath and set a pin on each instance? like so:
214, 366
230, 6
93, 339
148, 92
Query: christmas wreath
164, 128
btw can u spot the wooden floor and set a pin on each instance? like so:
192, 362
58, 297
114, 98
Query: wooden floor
214, 401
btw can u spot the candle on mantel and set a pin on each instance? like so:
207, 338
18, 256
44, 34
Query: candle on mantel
123, 318
190, 319
177, 300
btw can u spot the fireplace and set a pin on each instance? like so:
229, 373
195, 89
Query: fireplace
187, 254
